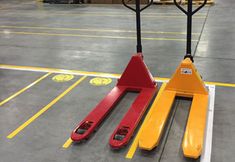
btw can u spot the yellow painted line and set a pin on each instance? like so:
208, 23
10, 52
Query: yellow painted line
162, 79
125, 15
124, 12
54, 70
93, 30
44, 109
91, 36
96, 74
135, 143
24, 89
67, 143
109, 14
221, 84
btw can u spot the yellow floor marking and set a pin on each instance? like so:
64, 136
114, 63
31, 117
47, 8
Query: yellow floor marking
100, 81
125, 15
63, 78
221, 84
92, 36
134, 145
100, 14
24, 89
94, 30
67, 143
96, 74
118, 13
146, 13
54, 70
44, 109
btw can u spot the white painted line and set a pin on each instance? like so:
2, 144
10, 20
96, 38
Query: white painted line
206, 154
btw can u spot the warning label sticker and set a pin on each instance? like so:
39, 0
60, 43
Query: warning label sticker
186, 71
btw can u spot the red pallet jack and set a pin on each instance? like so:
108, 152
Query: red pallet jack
137, 78
186, 82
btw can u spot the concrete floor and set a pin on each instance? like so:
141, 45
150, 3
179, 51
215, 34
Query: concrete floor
73, 37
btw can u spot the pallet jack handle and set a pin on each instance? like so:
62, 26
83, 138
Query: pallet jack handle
138, 10
189, 14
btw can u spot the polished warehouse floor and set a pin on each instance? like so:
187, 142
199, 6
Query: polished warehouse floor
38, 41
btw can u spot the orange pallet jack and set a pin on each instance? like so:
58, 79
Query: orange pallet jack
137, 78
186, 82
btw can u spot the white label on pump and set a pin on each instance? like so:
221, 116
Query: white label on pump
186, 71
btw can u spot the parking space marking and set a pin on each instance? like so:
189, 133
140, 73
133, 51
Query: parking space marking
100, 81
24, 89
135, 143
60, 78
206, 154
93, 74
67, 143
94, 30
93, 36
44, 109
